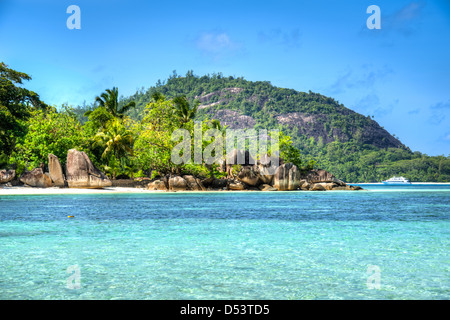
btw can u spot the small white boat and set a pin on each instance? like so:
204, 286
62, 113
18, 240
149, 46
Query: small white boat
396, 181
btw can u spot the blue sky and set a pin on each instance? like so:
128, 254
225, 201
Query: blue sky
400, 74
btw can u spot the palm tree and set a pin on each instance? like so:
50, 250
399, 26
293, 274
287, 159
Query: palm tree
215, 124
116, 141
110, 101
184, 110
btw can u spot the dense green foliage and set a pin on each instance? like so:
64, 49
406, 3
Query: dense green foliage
133, 137
351, 146
48, 131
16, 105
121, 146
352, 163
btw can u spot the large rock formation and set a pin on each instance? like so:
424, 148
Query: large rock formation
157, 185
55, 171
193, 183
323, 186
214, 183
36, 178
287, 177
264, 176
177, 183
7, 175
236, 186
318, 187
266, 187
304, 185
81, 172
248, 176
319, 176
267, 167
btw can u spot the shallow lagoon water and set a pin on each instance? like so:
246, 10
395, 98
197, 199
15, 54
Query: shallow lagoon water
228, 245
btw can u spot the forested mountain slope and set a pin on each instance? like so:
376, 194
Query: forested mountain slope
352, 146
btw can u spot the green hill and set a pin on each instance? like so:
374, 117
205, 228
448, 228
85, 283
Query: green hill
352, 146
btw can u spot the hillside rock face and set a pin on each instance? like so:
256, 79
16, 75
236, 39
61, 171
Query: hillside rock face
55, 171
81, 172
318, 126
314, 125
7, 175
319, 123
36, 178
232, 119
222, 96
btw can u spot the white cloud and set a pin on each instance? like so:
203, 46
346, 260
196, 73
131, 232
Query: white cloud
217, 44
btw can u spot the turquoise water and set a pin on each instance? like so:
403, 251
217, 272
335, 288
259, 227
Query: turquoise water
228, 245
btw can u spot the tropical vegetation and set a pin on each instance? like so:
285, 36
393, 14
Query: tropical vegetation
133, 136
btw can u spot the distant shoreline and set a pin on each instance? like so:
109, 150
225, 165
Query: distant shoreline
20, 190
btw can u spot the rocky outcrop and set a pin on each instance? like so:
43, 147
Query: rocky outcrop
230, 118
236, 186
7, 175
81, 172
266, 187
186, 183
319, 176
317, 187
36, 178
324, 186
287, 177
320, 126
249, 176
320, 180
193, 183
205, 99
214, 183
304, 185
219, 184
266, 168
55, 171
157, 185
177, 183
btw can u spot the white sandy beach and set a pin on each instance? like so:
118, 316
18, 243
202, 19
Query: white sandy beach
46, 191
4, 191
111, 190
